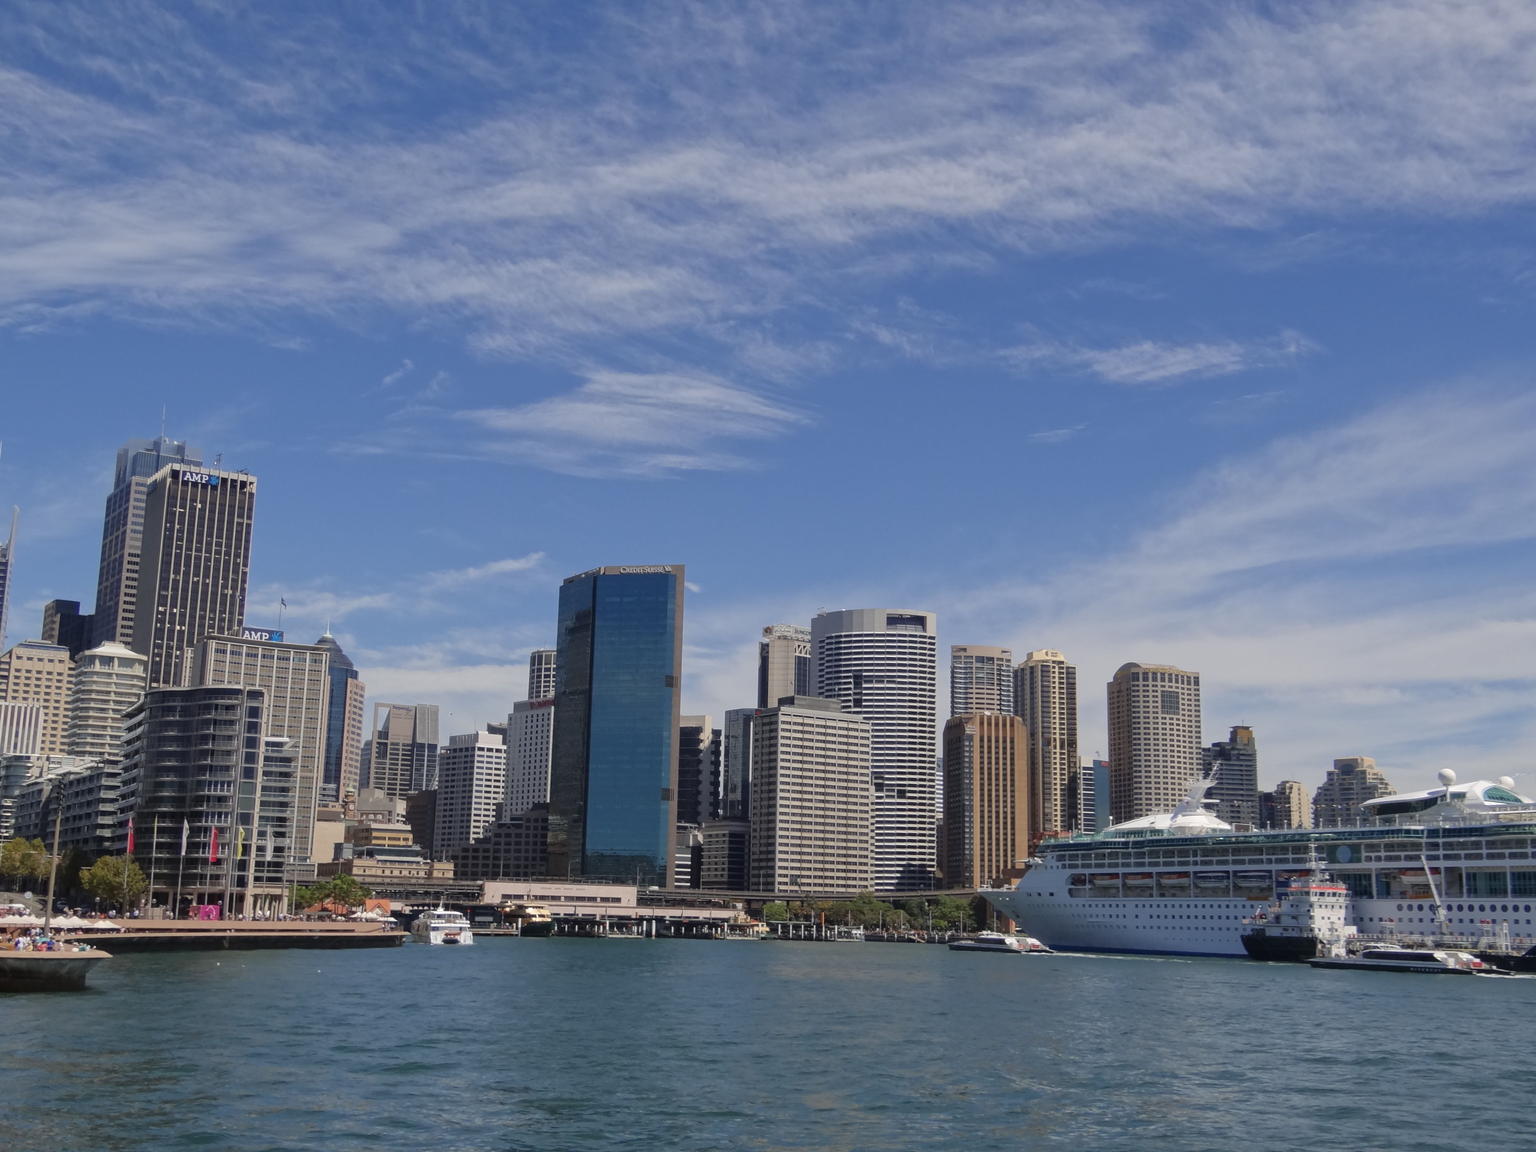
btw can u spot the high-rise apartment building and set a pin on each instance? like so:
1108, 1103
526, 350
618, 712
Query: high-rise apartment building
1350, 783
297, 682
530, 733
36, 673
195, 559
64, 625
698, 770
811, 799
401, 755
1154, 739
7, 556
107, 682
471, 782
613, 765
1093, 796
1286, 806
883, 664
541, 674
122, 533
986, 798
210, 797
1235, 762
1045, 692
783, 663
21, 729
980, 679
342, 768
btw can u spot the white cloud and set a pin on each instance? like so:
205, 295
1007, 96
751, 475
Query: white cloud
196, 184
1153, 362
626, 423
459, 577
1056, 435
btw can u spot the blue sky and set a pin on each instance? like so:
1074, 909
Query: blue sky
1198, 334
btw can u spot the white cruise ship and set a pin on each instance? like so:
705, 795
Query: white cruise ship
1457, 860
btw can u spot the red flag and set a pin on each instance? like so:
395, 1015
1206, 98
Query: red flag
130, 835
213, 846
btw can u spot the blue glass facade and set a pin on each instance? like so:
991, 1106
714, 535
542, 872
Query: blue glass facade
613, 764
340, 671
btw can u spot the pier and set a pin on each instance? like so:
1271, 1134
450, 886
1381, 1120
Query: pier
240, 935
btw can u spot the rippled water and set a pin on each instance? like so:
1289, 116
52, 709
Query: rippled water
606, 1044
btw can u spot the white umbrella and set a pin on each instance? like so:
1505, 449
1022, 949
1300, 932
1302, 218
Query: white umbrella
26, 921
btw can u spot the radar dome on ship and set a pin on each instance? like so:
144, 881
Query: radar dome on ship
1446, 776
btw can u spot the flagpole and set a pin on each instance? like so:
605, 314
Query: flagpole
154, 847
181, 863
250, 869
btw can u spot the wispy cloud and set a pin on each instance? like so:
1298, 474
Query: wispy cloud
192, 183
460, 577
1156, 363
1056, 435
630, 423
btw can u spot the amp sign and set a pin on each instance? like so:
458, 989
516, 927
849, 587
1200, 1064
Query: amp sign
188, 476
268, 634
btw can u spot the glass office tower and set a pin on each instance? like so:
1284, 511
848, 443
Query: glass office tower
613, 763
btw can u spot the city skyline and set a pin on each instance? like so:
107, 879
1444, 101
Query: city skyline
1276, 418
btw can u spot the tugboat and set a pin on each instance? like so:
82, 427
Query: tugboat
1308, 918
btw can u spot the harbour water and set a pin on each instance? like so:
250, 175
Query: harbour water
604, 1044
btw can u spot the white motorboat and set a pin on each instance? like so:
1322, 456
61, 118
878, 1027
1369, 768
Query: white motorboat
1434, 963
997, 942
442, 926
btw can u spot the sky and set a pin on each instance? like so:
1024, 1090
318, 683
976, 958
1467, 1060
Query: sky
1197, 334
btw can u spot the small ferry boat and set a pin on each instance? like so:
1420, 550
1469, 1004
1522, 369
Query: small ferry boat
1393, 959
442, 926
530, 919
997, 942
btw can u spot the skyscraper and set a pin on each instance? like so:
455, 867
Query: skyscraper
1286, 806
1235, 762
7, 555
541, 674
1093, 796
471, 781
698, 770
342, 768
811, 799
36, 673
1350, 783
108, 681
122, 533
613, 766
401, 755
1154, 739
986, 798
736, 763
196, 556
883, 664
64, 625
1045, 689
530, 732
783, 663
296, 680
980, 679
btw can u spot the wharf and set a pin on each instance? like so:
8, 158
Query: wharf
240, 935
